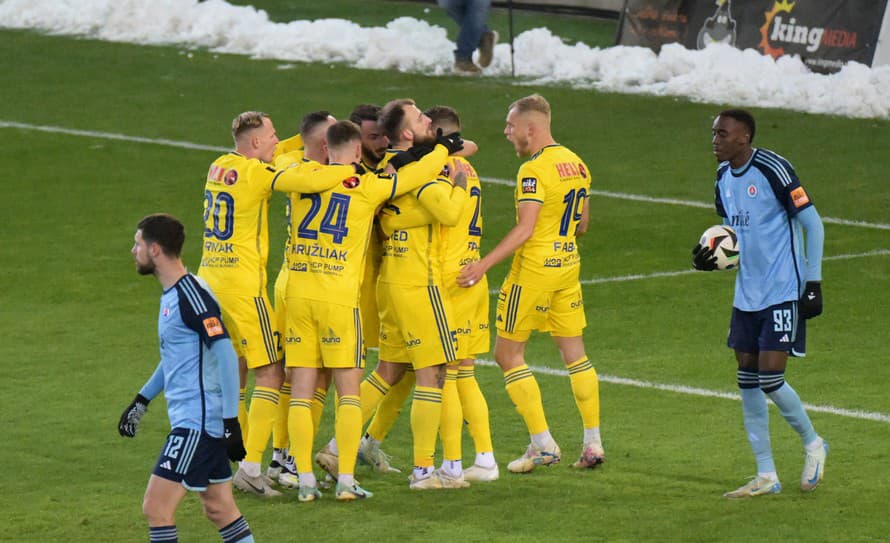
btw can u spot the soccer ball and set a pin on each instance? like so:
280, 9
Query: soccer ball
723, 241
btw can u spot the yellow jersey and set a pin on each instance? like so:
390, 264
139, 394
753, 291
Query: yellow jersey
330, 230
236, 230
462, 240
559, 180
285, 146
413, 255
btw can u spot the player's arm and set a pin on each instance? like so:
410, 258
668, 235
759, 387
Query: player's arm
415, 174
811, 300
227, 361
443, 200
307, 180
527, 212
415, 216
132, 415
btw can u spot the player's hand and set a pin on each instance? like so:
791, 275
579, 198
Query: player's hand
131, 416
233, 440
452, 142
460, 180
470, 274
811, 301
703, 258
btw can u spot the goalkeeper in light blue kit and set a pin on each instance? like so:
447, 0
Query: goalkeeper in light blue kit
198, 373
777, 288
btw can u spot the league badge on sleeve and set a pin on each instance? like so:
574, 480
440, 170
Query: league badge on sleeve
529, 185
800, 197
213, 326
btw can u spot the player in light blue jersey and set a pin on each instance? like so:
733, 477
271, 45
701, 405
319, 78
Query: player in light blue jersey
778, 286
198, 373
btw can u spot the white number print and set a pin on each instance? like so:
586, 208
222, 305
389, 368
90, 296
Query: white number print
782, 320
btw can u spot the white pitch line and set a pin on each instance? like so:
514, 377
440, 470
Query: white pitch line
695, 391
493, 180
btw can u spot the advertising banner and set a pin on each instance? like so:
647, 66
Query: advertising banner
824, 33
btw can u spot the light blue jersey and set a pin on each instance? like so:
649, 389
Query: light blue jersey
761, 201
189, 322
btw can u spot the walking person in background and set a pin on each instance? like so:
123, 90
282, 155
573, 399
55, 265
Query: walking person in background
471, 17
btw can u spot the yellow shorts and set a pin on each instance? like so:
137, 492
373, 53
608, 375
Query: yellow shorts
323, 335
280, 310
368, 294
414, 325
254, 335
522, 309
471, 306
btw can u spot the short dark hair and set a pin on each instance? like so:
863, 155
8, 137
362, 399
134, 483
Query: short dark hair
392, 117
742, 116
444, 115
311, 120
365, 112
343, 132
165, 230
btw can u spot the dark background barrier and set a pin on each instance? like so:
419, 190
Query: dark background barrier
824, 33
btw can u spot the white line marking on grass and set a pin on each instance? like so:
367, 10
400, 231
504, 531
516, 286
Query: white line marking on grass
695, 391
493, 180
112, 136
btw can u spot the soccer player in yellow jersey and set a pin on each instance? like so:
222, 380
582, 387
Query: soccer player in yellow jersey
236, 249
312, 150
329, 235
415, 312
542, 291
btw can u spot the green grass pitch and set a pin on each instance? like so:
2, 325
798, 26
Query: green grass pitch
79, 328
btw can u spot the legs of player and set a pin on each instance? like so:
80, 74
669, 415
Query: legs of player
451, 427
426, 414
475, 412
771, 378
159, 505
263, 409
585, 389
220, 509
279, 431
384, 417
348, 431
301, 429
526, 396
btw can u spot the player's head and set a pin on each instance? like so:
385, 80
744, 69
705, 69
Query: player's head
404, 124
254, 135
374, 143
157, 236
344, 142
313, 129
528, 124
731, 135
444, 117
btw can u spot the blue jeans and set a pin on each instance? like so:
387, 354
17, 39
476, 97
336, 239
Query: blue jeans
471, 17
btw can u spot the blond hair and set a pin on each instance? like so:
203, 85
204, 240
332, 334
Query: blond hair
534, 102
247, 121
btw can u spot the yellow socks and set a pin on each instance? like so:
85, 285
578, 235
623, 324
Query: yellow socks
242, 413
372, 390
279, 431
261, 418
451, 423
475, 409
318, 399
526, 396
301, 430
389, 408
348, 432
586, 388
426, 412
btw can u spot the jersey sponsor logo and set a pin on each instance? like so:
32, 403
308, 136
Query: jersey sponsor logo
351, 182
213, 327
166, 312
567, 169
800, 197
331, 339
529, 185
300, 267
552, 262
752, 191
218, 174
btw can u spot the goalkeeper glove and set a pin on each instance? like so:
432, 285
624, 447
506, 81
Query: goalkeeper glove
811, 300
233, 440
453, 142
703, 258
132, 415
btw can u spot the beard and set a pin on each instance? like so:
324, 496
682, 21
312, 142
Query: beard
375, 155
424, 139
147, 268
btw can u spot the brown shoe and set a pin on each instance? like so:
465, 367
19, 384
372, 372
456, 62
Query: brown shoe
486, 47
466, 67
